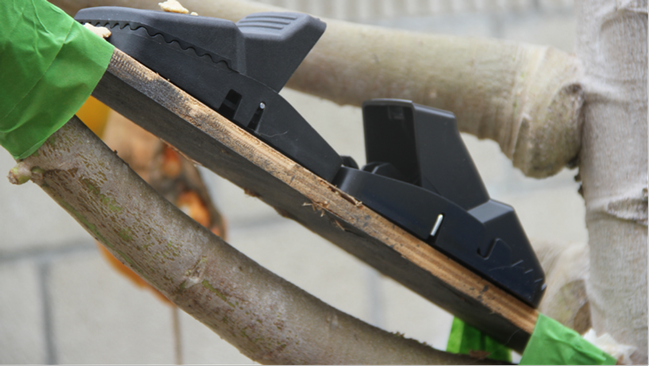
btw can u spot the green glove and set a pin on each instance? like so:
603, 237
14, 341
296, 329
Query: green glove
464, 338
50, 65
550, 344
553, 343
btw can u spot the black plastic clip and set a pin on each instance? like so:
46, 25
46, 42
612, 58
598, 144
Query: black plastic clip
420, 175
237, 69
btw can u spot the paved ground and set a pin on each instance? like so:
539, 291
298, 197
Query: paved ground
61, 304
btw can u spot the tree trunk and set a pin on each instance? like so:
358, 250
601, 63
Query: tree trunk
613, 46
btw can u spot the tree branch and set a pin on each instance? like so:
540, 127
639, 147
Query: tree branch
527, 98
265, 317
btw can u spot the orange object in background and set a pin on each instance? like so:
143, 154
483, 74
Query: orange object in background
171, 165
94, 114
191, 204
135, 278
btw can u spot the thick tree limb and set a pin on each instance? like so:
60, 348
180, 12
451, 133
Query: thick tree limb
527, 98
264, 316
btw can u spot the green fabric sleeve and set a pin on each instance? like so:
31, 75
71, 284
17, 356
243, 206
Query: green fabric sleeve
554, 344
464, 338
50, 65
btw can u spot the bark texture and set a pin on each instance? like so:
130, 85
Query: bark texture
527, 98
265, 317
613, 45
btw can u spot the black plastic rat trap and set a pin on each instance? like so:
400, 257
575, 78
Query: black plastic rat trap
235, 69
419, 173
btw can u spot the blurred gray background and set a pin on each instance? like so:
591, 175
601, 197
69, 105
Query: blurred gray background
60, 303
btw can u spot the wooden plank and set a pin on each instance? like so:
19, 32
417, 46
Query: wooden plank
206, 137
